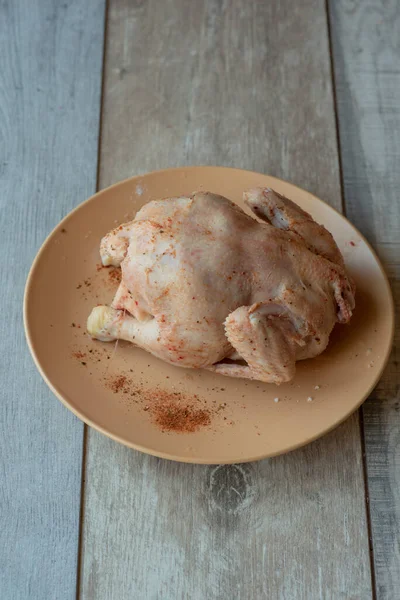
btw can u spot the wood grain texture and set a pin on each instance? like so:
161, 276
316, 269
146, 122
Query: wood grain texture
365, 38
50, 78
244, 84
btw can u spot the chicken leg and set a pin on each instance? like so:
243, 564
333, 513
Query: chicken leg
282, 213
108, 324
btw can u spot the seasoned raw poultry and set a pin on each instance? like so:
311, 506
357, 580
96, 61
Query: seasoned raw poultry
204, 285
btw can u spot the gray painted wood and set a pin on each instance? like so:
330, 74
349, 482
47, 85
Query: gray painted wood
365, 38
244, 84
50, 79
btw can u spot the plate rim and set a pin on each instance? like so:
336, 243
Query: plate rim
166, 455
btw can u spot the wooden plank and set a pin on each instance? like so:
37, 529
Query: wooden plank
50, 79
243, 84
367, 73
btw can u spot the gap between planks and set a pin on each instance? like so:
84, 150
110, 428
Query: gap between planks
85, 427
359, 412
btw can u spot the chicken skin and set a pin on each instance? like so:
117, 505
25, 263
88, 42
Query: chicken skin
204, 285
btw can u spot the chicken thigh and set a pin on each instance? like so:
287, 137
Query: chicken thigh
204, 285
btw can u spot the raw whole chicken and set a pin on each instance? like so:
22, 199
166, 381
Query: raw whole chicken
204, 285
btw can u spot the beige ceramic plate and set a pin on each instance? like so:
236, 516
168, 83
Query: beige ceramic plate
65, 283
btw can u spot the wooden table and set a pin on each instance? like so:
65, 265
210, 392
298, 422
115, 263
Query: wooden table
93, 93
